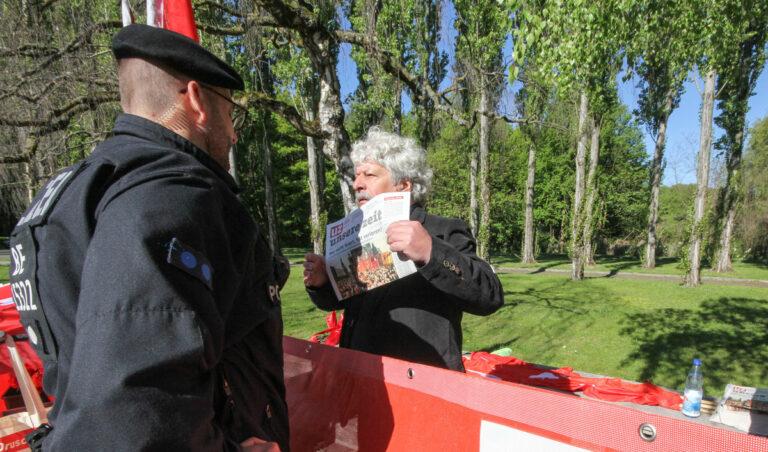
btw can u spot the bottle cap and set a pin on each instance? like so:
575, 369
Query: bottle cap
696, 362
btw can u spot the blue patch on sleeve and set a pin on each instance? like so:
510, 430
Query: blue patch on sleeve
191, 261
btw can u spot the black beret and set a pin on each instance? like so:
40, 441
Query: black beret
176, 52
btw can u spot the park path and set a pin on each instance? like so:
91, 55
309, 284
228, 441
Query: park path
715, 280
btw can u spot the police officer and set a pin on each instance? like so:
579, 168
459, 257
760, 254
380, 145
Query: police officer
143, 283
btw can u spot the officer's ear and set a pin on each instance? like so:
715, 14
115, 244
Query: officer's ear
196, 106
404, 185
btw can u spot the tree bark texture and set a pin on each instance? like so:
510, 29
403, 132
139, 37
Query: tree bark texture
473, 190
577, 265
315, 169
485, 193
269, 193
656, 173
588, 257
528, 235
693, 277
744, 79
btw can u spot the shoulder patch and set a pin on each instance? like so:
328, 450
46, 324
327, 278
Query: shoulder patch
191, 261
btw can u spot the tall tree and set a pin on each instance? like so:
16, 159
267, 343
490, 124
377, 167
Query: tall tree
720, 25
736, 84
693, 276
58, 92
577, 46
532, 100
485, 28
430, 63
662, 71
311, 24
753, 214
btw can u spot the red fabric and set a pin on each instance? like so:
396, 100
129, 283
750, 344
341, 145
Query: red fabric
509, 368
9, 317
333, 331
179, 17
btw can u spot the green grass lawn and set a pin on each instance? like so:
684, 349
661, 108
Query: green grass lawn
637, 330
3, 274
664, 266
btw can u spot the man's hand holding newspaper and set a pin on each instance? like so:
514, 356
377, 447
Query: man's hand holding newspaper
372, 246
410, 240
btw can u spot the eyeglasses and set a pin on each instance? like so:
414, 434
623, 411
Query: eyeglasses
239, 112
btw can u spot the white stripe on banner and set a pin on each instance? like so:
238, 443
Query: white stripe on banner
500, 438
6, 297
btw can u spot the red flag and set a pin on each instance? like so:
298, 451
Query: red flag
174, 15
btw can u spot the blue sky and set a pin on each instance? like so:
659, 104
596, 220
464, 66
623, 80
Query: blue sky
682, 130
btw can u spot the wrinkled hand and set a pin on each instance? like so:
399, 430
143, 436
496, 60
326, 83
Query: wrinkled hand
409, 238
314, 270
254, 444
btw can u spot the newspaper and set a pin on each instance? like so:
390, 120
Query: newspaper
357, 256
745, 408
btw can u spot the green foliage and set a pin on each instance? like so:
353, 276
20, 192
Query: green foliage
673, 228
623, 182
752, 219
575, 43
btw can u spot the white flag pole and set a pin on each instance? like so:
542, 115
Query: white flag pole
125, 10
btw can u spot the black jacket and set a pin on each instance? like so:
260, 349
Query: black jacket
418, 318
152, 299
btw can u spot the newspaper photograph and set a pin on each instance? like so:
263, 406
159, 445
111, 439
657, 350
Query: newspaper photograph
357, 256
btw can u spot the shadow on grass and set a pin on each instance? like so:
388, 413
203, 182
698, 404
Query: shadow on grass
545, 298
560, 308
544, 268
730, 335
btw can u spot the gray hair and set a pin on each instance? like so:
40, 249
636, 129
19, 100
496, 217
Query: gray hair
402, 157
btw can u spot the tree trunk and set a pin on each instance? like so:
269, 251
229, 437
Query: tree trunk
315, 170
577, 265
483, 237
656, 173
473, 191
336, 145
528, 238
744, 80
397, 113
693, 277
269, 194
588, 257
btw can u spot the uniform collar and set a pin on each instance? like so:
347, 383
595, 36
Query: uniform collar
144, 128
418, 213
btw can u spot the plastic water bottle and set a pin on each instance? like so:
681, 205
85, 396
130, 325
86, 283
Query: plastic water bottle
694, 391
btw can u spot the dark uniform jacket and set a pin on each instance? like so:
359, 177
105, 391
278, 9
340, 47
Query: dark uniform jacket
418, 318
152, 299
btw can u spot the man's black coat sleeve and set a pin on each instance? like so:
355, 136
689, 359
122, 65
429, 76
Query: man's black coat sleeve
149, 334
455, 269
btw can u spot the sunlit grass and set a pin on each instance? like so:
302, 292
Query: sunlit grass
637, 330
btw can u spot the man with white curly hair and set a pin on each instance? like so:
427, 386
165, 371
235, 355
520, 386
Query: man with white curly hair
416, 318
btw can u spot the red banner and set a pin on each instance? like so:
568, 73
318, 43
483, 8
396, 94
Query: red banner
348, 400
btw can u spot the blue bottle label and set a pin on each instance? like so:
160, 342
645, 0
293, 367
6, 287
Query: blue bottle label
692, 402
